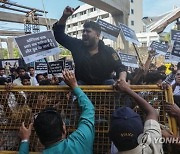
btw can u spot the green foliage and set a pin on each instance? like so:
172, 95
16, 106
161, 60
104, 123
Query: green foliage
5, 54
16, 53
167, 37
64, 51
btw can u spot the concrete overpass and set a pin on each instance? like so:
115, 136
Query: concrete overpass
119, 10
19, 18
11, 33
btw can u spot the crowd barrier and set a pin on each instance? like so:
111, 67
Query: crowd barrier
21, 103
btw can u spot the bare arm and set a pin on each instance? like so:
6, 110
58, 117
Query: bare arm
122, 76
142, 103
148, 61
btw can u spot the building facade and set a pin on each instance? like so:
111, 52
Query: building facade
74, 24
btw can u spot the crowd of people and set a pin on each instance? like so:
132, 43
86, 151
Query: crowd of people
97, 64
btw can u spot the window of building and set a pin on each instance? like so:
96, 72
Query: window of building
105, 16
132, 11
74, 33
74, 15
90, 10
132, 22
75, 24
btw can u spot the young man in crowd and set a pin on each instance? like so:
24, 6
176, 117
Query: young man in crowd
2, 72
32, 74
51, 129
94, 61
127, 131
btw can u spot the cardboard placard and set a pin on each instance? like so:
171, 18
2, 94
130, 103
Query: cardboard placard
160, 48
175, 35
129, 60
37, 46
56, 67
108, 30
40, 67
129, 34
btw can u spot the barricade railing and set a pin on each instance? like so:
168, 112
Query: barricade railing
22, 102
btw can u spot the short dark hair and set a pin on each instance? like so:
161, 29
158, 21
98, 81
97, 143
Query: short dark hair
95, 26
178, 65
45, 82
30, 68
25, 76
3, 81
48, 125
37, 77
1, 68
153, 77
161, 68
20, 68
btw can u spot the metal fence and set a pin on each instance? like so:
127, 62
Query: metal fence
21, 103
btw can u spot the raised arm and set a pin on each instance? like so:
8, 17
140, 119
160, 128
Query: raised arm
85, 131
25, 134
59, 31
142, 103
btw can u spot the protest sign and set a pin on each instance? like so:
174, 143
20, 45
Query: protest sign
129, 34
69, 65
37, 46
56, 67
108, 30
9, 63
175, 35
40, 67
176, 50
128, 60
159, 47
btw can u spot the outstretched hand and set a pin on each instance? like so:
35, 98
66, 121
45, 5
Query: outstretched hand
69, 78
122, 85
25, 132
172, 110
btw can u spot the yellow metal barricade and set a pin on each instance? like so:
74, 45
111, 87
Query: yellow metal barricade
21, 103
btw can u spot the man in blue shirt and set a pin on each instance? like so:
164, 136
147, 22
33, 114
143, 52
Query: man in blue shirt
51, 129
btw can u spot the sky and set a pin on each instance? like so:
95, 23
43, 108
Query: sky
56, 7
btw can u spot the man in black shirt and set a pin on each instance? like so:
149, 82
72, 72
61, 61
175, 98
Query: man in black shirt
94, 61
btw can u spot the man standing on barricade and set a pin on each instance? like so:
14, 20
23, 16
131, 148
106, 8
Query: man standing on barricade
94, 61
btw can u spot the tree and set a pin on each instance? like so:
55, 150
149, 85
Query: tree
64, 51
16, 53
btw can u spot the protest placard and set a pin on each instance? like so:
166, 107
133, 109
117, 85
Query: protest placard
128, 60
160, 48
108, 30
56, 67
175, 35
9, 63
69, 65
129, 34
37, 46
40, 67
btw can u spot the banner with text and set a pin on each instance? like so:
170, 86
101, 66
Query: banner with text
37, 46
108, 30
129, 34
56, 67
40, 67
128, 60
159, 47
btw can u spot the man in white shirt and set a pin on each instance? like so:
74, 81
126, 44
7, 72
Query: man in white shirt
21, 72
